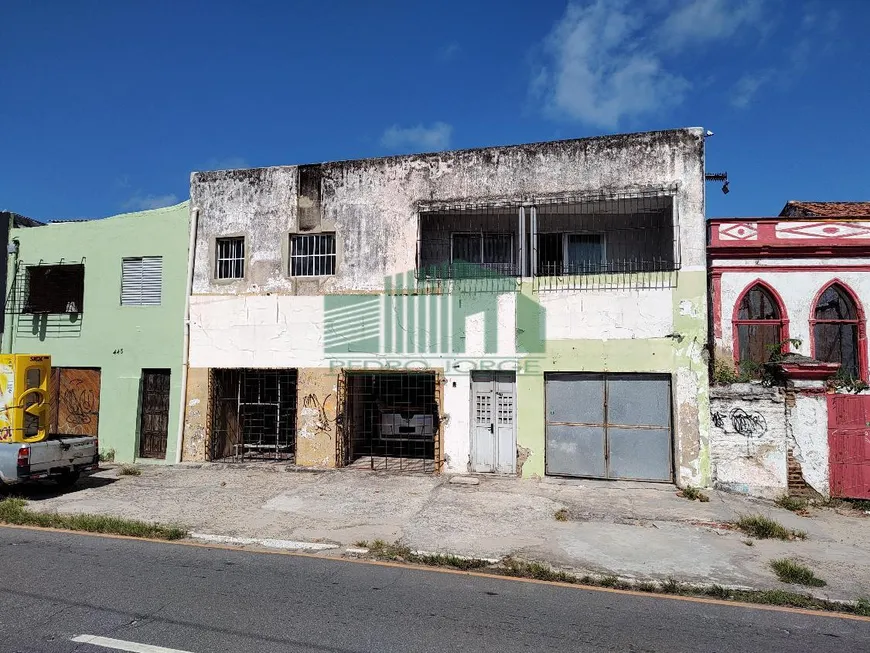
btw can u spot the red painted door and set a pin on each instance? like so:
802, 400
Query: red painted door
849, 445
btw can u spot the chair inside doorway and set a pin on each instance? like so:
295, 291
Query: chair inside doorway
253, 415
390, 421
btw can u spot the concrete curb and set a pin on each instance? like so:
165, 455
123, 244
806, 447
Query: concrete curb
284, 545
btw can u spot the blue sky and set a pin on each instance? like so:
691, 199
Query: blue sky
108, 106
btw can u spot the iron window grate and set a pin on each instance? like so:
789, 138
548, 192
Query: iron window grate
312, 255
230, 258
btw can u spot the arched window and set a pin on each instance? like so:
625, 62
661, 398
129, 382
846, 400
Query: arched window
837, 327
759, 325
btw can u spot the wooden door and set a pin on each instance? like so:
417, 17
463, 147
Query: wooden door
74, 394
849, 445
154, 415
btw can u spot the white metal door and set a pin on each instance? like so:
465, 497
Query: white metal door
493, 444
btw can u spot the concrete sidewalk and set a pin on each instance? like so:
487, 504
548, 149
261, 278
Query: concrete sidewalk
632, 530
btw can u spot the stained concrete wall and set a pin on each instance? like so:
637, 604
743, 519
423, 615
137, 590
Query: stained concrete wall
316, 417
755, 430
372, 204
269, 319
748, 439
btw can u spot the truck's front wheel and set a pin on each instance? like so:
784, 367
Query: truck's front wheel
67, 479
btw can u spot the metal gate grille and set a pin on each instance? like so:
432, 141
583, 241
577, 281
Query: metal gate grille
389, 421
252, 415
611, 426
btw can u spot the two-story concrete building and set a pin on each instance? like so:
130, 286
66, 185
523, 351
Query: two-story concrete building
105, 298
536, 309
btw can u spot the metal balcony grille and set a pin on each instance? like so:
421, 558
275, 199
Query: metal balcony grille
626, 240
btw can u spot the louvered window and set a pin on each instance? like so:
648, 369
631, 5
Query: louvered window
141, 281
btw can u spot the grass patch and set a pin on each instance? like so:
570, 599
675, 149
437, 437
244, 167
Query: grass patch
789, 571
107, 456
402, 553
561, 514
129, 470
693, 494
765, 528
14, 511
794, 504
859, 504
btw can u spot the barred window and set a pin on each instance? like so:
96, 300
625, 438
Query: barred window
312, 255
230, 258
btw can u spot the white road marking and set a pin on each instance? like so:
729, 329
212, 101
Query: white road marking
121, 645
286, 545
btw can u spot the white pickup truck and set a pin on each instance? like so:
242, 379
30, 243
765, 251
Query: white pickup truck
60, 458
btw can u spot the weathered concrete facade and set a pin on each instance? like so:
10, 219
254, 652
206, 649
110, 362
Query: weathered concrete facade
648, 321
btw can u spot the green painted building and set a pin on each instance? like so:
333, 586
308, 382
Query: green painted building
105, 299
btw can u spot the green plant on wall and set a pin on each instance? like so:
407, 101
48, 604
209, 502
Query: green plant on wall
845, 382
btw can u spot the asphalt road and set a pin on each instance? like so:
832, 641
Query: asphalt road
56, 587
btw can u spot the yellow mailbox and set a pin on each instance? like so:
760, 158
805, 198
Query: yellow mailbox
24, 413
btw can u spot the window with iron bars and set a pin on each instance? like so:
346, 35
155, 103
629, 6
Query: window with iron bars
615, 235
230, 258
312, 255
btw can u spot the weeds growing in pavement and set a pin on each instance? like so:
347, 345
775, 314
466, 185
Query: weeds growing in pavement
789, 571
516, 568
692, 493
129, 470
794, 504
561, 514
765, 528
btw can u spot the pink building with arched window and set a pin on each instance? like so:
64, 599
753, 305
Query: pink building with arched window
800, 280
794, 288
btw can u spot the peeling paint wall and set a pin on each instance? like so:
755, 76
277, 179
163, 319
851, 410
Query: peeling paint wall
748, 438
315, 417
269, 319
195, 442
753, 430
808, 438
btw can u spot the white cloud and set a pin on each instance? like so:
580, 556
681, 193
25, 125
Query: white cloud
598, 70
419, 137
448, 52
743, 92
140, 202
608, 60
701, 21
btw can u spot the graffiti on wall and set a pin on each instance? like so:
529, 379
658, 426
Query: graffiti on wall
323, 424
751, 425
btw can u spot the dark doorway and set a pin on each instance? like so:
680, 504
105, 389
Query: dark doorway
154, 414
253, 415
390, 421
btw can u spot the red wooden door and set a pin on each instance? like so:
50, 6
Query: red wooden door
849, 445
